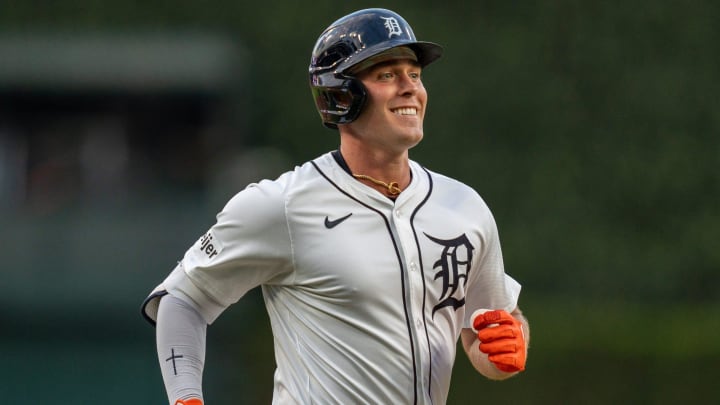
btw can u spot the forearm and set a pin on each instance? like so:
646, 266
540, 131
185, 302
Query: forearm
181, 333
480, 360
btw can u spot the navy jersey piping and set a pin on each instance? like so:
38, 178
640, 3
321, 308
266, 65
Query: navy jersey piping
145, 303
422, 273
408, 324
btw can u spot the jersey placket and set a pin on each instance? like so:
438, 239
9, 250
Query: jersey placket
413, 281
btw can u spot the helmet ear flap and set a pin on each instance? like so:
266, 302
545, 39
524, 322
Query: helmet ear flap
339, 100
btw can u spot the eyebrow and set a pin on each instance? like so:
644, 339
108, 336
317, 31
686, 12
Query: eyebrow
385, 64
396, 61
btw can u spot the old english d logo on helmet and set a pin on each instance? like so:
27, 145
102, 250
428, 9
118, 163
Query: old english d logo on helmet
392, 26
340, 97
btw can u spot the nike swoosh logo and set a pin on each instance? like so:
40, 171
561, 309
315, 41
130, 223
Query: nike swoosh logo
332, 224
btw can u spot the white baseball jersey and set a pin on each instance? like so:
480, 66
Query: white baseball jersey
366, 296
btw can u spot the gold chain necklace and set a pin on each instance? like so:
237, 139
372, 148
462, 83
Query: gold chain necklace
392, 188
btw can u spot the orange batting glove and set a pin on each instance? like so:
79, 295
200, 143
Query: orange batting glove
191, 401
502, 339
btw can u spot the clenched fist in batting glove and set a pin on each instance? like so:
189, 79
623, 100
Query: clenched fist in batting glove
502, 339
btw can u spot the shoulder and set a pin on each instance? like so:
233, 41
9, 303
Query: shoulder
453, 189
272, 194
451, 195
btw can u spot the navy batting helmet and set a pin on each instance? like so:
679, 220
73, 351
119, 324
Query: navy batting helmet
344, 45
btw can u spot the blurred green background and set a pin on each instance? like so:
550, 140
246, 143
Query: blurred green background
590, 128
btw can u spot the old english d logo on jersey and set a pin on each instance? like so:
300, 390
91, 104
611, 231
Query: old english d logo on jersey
393, 27
453, 267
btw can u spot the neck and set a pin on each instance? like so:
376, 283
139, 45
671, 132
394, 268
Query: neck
386, 173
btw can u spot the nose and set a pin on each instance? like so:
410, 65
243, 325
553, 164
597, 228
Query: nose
408, 84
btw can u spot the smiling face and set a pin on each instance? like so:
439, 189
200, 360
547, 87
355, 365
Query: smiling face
392, 119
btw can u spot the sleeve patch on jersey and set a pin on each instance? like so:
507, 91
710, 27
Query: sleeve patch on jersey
208, 245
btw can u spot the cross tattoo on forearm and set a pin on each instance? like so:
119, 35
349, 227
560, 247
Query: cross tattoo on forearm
173, 357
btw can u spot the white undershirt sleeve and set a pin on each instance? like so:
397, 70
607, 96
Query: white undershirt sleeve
180, 334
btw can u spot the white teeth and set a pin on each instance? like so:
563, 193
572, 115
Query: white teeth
406, 111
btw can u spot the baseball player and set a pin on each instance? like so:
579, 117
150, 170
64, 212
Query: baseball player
371, 266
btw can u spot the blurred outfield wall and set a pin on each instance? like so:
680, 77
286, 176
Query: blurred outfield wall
592, 131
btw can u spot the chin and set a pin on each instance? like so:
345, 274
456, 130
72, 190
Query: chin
414, 139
